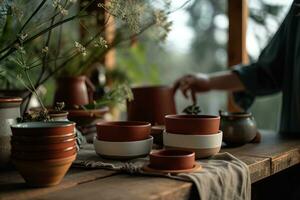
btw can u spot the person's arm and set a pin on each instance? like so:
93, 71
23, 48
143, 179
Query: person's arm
226, 80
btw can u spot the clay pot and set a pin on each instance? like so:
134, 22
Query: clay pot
238, 128
44, 173
192, 124
172, 160
74, 91
151, 104
44, 139
43, 155
123, 131
19, 146
123, 150
87, 117
157, 134
203, 145
9, 112
51, 128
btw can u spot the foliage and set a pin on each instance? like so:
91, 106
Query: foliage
192, 110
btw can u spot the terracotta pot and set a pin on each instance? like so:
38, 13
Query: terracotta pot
172, 160
238, 128
87, 117
192, 124
44, 173
18, 146
123, 131
51, 128
9, 111
43, 139
74, 91
44, 155
151, 104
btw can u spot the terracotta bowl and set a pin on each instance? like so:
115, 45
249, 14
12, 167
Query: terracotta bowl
43, 128
172, 160
44, 155
43, 139
87, 117
19, 146
123, 131
44, 173
203, 145
123, 150
192, 124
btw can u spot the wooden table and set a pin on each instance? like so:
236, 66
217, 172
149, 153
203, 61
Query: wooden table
272, 155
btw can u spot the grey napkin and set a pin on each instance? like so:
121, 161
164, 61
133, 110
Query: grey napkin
223, 176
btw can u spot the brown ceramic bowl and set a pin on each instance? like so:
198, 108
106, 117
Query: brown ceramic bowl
172, 160
18, 146
43, 128
44, 173
123, 131
43, 139
87, 117
192, 124
44, 155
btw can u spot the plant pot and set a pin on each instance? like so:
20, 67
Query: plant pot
44, 155
74, 91
43, 139
238, 128
172, 160
19, 146
123, 150
192, 124
123, 131
44, 173
203, 145
37, 129
9, 112
151, 104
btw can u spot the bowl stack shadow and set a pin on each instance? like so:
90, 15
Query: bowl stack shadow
43, 152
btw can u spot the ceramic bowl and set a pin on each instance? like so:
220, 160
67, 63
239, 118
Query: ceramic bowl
203, 145
123, 131
87, 117
172, 160
44, 173
123, 150
44, 155
192, 124
43, 128
19, 146
43, 139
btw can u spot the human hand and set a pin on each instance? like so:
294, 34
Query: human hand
191, 84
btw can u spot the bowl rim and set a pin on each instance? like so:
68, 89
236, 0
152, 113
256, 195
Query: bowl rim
123, 143
124, 124
10, 99
43, 125
190, 117
186, 153
218, 134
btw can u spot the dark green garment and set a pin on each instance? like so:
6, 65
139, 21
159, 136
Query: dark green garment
277, 70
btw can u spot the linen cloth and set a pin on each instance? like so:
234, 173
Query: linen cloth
223, 176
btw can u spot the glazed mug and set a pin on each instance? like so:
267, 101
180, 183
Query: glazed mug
238, 127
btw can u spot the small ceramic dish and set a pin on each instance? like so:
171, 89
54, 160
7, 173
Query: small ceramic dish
123, 131
192, 124
44, 173
123, 150
50, 128
172, 160
44, 155
19, 146
197, 168
203, 145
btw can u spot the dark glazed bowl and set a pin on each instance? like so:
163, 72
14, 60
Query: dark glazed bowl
43, 128
172, 160
192, 124
123, 131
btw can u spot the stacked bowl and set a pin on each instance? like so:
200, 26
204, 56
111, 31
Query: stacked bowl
123, 140
43, 151
198, 133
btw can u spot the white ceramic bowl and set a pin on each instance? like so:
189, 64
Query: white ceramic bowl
202, 145
123, 150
